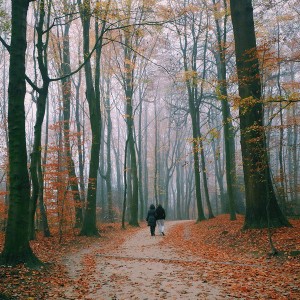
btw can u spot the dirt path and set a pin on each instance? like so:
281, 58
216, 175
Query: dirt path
141, 268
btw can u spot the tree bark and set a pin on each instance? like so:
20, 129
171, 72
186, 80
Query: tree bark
36, 154
108, 145
89, 227
205, 181
145, 165
178, 186
142, 210
129, 77
44, 218
156, 155
262, 209
116, 149
194, 100
80, 139
227, 123
16, 246
66, 91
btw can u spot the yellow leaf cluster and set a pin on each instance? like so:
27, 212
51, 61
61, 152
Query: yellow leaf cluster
189, 75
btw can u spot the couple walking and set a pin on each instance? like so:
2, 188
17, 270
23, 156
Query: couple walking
156, 216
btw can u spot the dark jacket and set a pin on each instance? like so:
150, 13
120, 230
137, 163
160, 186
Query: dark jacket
160, 213
151, 219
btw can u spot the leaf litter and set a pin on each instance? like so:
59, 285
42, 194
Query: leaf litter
213, 259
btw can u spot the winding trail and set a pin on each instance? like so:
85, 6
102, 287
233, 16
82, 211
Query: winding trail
142, 268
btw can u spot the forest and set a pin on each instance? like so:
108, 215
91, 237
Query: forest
109, 106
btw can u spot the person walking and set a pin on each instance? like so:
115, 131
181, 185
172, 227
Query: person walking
160, 219
151, 219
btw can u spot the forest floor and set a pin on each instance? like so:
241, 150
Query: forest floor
213, 259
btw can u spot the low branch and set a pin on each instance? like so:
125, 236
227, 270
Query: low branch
34, 86
5, 44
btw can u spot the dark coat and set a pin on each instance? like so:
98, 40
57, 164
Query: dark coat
151, 219
160, 213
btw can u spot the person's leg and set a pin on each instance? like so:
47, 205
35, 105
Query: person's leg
152, 230
159, 226
162, 228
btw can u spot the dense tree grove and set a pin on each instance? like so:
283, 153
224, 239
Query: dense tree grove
108, 106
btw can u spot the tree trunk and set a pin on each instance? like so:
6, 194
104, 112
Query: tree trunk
134, 201
227, 123
170, 168
178, 191
16, 246
66, 91
44, 219
36, 155
218, 169
205, 181
89, 227
156, 154
61, 180
190, 193
194, 102
262, 209
142, 209
130, 127
145, 165
108, 145
125, 186
102, 188
281, 189
296, 161
116, 149
195, 127
80, 140
128, 181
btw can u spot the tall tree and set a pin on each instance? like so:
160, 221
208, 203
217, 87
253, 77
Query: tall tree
262, 209
169, 161
65, 69
36, 154
89, 227
156, 155
179, 176
43, 213
145, 165
141, 174
80, 137
218, 162
223, 96
16, 247
108, 176
189, 31
131, 42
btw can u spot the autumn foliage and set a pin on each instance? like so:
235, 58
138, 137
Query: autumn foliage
239, 261
221, 253
50, 281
